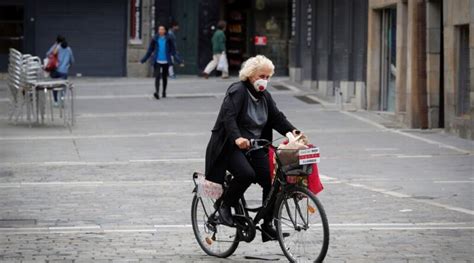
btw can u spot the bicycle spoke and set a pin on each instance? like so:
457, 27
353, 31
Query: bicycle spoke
298, 210
289, 212
306, 225
216, 240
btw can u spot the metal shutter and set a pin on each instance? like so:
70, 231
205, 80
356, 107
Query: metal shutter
95, 30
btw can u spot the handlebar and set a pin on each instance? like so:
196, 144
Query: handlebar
257, 144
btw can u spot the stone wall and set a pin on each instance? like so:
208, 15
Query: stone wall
426, 97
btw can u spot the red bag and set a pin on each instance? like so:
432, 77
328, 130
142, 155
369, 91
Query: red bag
314, 182
53, 62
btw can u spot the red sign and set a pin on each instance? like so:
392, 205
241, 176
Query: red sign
260, 40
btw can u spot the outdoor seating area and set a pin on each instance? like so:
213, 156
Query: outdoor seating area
31, 92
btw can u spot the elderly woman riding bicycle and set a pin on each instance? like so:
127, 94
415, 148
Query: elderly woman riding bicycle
247, 112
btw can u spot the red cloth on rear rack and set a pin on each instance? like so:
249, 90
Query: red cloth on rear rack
314, 182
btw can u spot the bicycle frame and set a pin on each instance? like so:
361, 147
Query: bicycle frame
290, 203
279, 182
278, 187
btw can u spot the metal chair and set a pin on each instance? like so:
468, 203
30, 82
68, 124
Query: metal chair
31, 90
42, 90
19, 98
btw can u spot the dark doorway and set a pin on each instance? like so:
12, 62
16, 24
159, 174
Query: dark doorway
184, 12
237, 15
11, 31
463, 87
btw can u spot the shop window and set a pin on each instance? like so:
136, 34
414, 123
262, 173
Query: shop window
463, 85
135, 21
272, 22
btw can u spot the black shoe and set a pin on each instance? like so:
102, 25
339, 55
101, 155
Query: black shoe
225, 215
269, 233
164, 95
156, 96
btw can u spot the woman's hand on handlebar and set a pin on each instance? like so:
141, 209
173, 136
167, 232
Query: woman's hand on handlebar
242, 143
297, 132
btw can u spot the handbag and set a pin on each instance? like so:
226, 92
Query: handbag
312, 181
223, 65
52, 62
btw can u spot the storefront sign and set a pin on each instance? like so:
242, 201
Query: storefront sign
260, 40
135, 20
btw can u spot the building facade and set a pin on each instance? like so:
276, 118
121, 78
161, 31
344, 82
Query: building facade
328, 47
412, 59
97, 31
420, 62
109, 37
408, 58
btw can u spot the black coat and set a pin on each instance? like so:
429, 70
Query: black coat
226, 130
170, 51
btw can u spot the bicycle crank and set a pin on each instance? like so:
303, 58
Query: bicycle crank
245, 228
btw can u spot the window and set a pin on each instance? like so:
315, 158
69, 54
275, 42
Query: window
463, 85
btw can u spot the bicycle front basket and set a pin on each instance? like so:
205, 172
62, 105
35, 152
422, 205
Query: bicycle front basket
288, 156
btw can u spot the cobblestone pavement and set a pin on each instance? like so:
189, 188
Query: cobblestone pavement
117, 186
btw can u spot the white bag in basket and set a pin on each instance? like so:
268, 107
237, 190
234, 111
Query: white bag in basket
289, 153
209, 189
223, 64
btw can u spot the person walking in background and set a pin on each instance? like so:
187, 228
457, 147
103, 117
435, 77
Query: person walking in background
65, 60
174, 28
162, 50
218, 48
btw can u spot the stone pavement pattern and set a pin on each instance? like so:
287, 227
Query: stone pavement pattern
117, 186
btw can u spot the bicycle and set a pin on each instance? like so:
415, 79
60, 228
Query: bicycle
301, 239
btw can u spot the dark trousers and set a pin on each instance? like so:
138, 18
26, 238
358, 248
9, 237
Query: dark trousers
57, 75
247, 170
161, 72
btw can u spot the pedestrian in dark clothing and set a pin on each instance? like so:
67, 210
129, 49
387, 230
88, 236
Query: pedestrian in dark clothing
247, 112
171, 34
218, 49
161, 50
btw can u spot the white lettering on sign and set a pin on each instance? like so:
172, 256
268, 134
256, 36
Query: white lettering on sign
138, 19
308, 156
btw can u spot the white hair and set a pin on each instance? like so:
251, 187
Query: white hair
251, 65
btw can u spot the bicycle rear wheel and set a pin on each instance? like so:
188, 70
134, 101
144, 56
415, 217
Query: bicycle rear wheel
301, 215
215, 239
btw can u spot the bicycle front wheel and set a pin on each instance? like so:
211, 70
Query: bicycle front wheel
302, 226
216, 240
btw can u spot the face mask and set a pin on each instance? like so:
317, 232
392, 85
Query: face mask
260, 84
